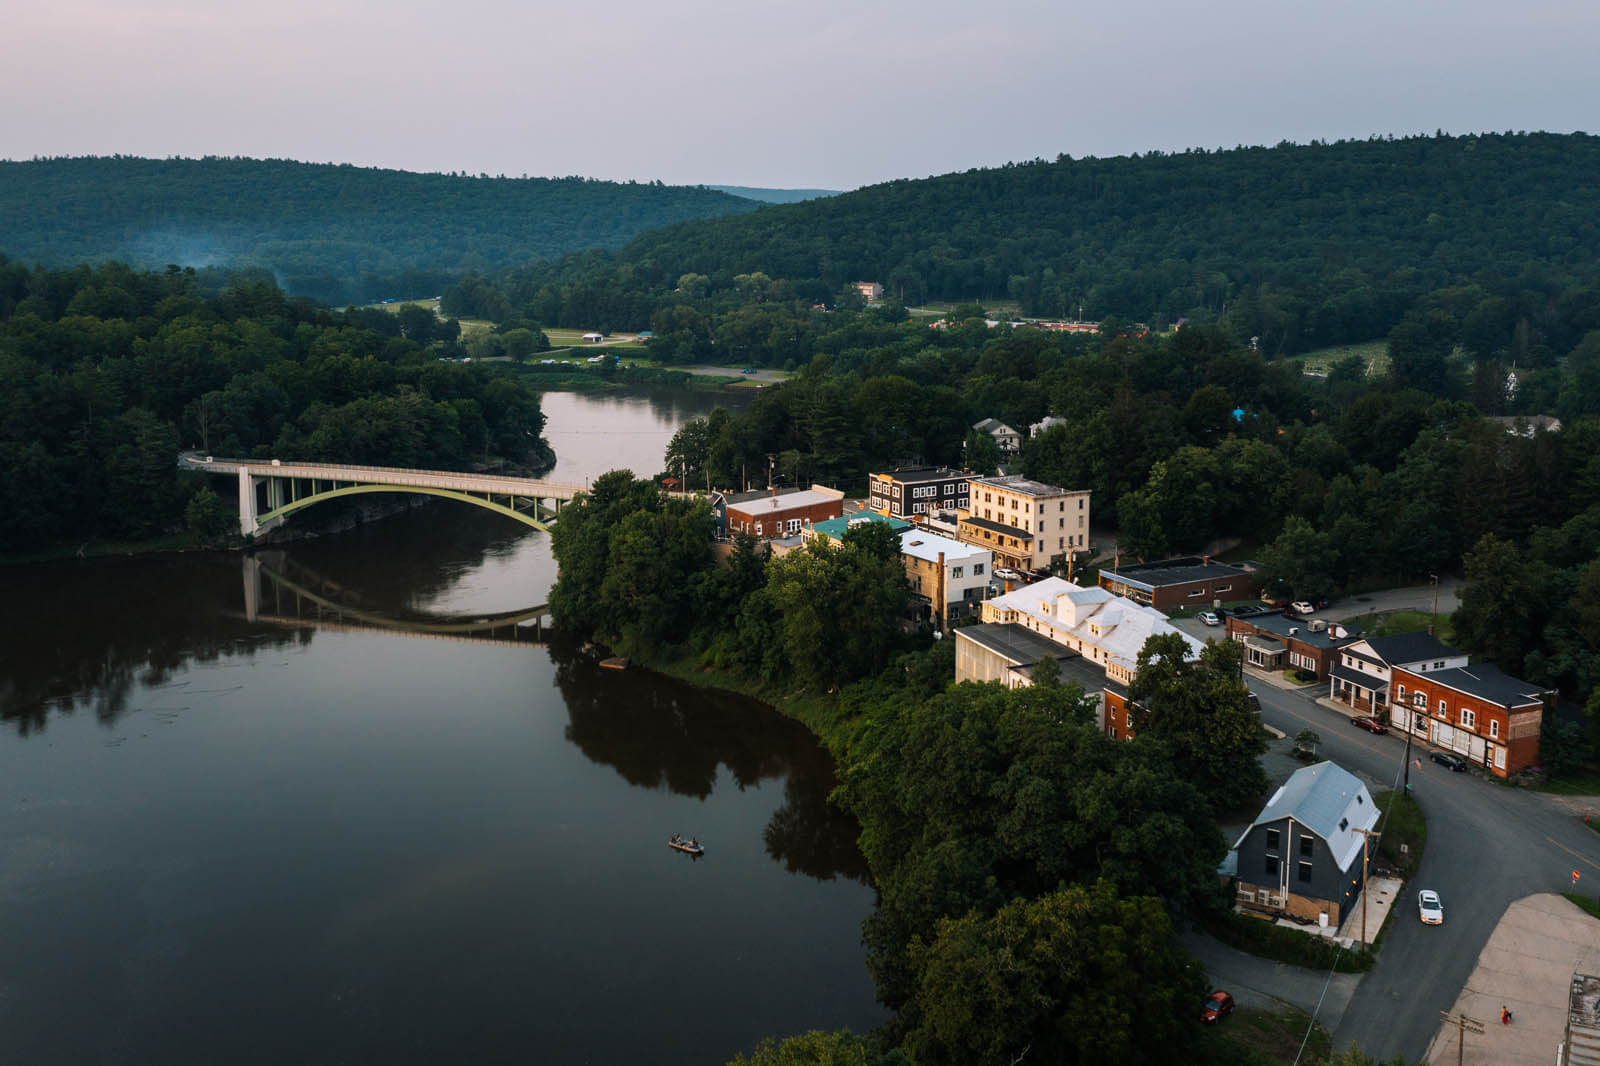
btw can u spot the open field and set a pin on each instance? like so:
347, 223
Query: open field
1375, 354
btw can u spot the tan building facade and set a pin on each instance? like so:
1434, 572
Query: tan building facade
1027, 524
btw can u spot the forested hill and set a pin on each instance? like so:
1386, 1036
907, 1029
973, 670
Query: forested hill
774, 196
340, 234
1303, 244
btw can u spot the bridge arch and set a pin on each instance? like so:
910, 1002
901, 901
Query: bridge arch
276, 516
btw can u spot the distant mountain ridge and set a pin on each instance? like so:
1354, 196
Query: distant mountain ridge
338, 233
775, 196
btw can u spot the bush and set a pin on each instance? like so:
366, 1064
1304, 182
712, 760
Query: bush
1282, 944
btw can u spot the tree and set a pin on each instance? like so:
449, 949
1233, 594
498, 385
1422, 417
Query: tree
206, 517
1078, 976
1306, 741
1496, 616
1562, 748
1300, 560
1198, 708
980, 453
839, 609
822, 1049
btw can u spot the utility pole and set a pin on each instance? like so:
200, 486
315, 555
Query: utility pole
1435, 624
1366, 835
1463, 1025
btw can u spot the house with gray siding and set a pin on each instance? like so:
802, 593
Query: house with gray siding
1302, 855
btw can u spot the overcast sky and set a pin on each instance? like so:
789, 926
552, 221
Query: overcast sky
784, 95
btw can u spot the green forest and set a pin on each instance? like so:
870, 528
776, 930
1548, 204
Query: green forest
1296, 246
339, 234
106, 373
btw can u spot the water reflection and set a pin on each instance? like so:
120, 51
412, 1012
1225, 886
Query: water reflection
657, 733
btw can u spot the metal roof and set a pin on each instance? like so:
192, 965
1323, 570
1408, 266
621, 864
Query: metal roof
1328, 800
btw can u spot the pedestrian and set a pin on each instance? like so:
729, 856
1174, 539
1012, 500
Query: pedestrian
1505, 1015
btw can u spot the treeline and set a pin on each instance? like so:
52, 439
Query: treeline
1296, 246
994, 821
339, 234
105, 373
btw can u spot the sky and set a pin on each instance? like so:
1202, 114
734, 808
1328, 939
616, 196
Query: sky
827, 95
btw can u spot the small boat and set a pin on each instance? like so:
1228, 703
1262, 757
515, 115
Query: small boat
686, 844
616, 662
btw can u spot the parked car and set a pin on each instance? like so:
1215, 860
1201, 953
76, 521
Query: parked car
748, 370
1369, 723
1218, 1004
1450, 759
1429, 909
1303, 607
1007, 574
1210, 618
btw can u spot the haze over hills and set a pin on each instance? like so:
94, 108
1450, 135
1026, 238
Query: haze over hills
1301, 245
775, 196
337, 233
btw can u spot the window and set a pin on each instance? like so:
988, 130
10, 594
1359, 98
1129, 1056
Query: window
1419, 699
957, 571
1308, 847
1196, 592
1061, 542
1272, 865
1344, 823
1469, 719
1444, 712
977, 568
1494, 728
1080, 503
1305, 871
1061, 523
1225, 588
1272, 840
1062, 506
758, 529
794, 525
1401, 694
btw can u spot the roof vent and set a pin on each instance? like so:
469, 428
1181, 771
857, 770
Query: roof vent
1293, 630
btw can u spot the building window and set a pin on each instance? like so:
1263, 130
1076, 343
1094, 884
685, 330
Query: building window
1224, 588
1272, 866
1272, 840
1196, 592
957, 571
977, 568
1080, 503
1308, 847
1469, 719
1305, 871
1444, 712
1419, 700
1401, 695
1494, 727
758, 529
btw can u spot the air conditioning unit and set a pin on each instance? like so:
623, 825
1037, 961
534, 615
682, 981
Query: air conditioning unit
1318, 625
1293, 630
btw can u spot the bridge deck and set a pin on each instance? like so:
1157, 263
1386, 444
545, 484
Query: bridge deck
499, 485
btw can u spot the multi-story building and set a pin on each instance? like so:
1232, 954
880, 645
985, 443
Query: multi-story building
1105, 631
1027, 524
1477, 711
905, 492
950, 577
1362, 677
1008, 440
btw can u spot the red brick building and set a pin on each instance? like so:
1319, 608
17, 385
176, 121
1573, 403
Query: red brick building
770, 515
1477, 711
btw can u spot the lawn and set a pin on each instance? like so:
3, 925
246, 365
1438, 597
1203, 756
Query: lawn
1252, 1035
1585, 902
1584, 782
1403, 824
1375, 354
1394, 623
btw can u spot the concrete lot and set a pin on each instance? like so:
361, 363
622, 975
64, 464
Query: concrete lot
1527, 966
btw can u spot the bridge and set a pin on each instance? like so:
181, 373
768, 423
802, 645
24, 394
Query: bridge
271, 491
283, 592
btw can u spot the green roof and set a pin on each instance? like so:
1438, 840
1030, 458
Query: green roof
834, 528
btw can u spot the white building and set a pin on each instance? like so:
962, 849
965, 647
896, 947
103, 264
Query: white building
948, 571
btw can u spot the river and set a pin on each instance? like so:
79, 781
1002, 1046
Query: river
252, 809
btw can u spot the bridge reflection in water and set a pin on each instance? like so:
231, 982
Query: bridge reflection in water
281, 591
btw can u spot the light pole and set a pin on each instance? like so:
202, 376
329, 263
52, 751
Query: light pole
1435, 579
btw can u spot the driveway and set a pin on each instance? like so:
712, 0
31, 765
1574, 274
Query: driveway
1258, 982
1489, 844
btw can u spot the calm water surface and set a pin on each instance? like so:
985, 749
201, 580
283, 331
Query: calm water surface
298, 833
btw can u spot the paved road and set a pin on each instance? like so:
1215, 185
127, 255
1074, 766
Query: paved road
1488, 845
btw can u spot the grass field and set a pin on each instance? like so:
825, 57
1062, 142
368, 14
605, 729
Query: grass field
1395, 623
1374, 353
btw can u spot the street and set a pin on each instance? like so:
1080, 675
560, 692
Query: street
1488, 845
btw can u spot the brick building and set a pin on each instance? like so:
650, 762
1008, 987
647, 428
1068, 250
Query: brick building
781, 513
1478, 711
1193, 581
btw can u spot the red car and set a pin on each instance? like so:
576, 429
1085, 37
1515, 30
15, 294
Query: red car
1218, 1004
1370, 724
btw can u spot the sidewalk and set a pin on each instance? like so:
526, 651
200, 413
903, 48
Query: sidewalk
1527, 965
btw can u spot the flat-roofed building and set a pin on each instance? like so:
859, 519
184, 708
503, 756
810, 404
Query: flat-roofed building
1191, 581
1026, 523
906, 492
952, 578
776, 514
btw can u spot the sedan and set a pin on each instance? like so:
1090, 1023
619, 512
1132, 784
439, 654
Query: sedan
1445, 758
1370, 724
1429, 909
1007, 575
1218, 1004
1210, 618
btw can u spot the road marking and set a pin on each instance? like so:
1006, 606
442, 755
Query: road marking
1575, 855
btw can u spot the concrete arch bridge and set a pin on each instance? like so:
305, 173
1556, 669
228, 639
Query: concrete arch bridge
271, 491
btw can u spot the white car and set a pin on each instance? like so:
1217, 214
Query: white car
1007, 575
1302, 607
1210, 618
1429, 909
